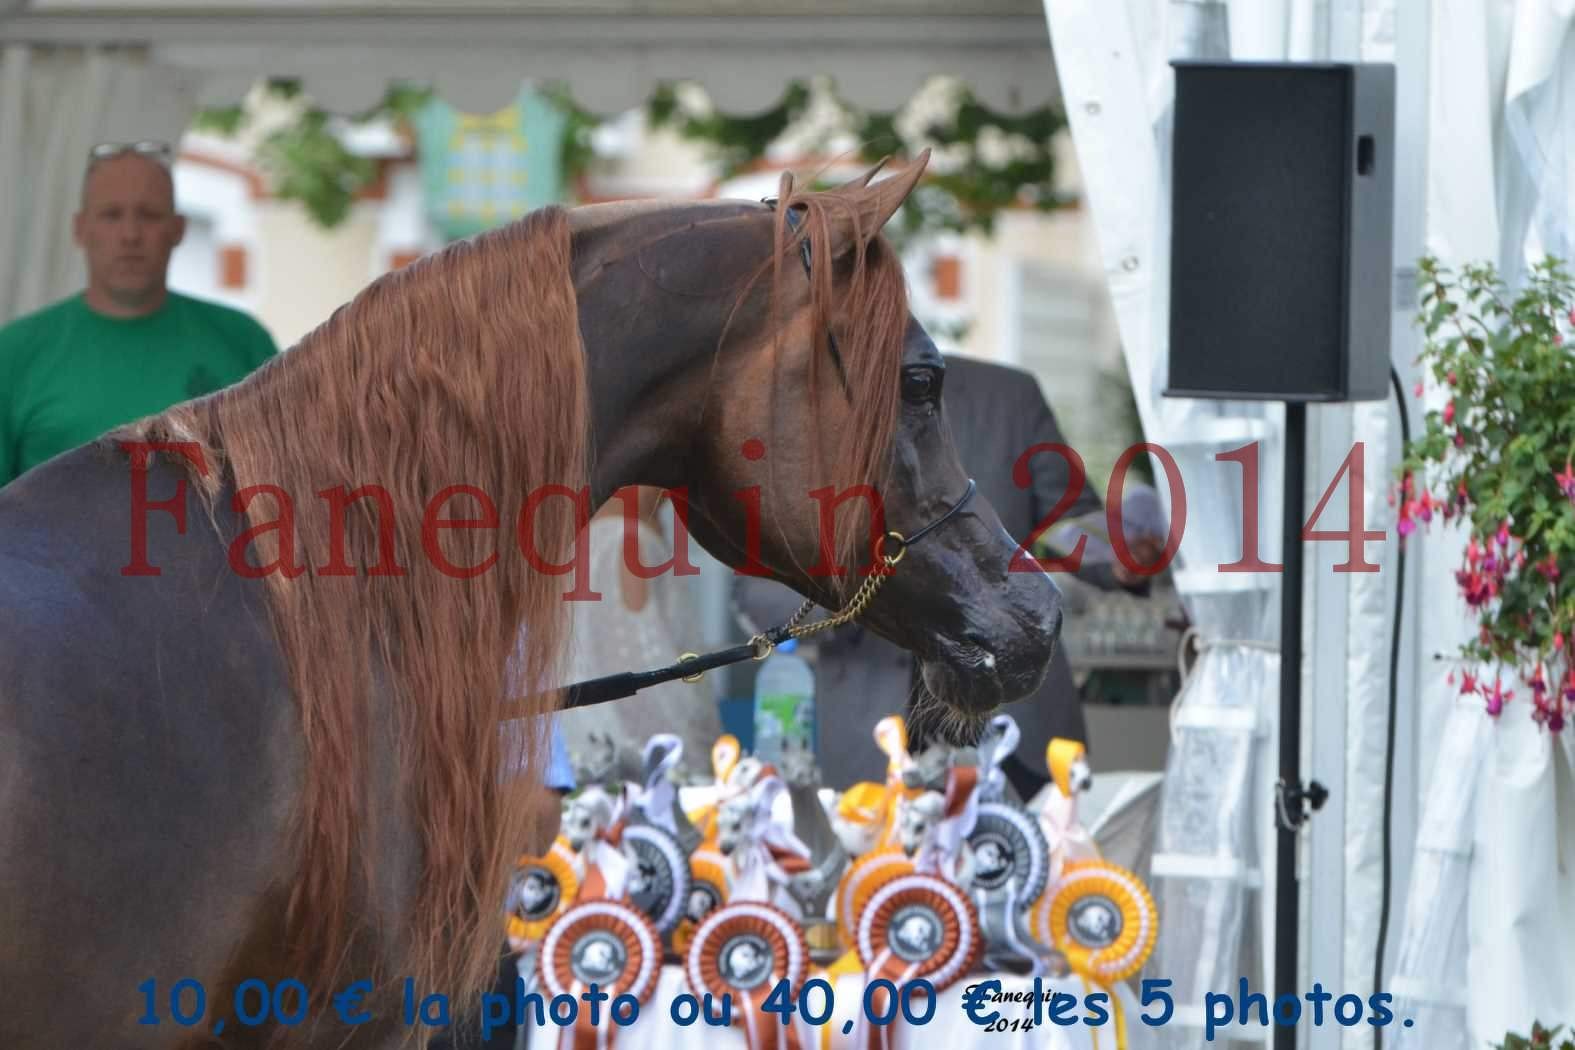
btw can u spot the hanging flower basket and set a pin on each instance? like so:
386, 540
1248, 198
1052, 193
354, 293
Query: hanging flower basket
1498, 458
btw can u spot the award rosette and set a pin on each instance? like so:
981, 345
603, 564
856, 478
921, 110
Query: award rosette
659, 879
1011, 867
868, 874
707, 892
744, 950
915, 926
1102, 918
541, 890
605, 942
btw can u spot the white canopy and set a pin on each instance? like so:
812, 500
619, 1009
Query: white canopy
609, 52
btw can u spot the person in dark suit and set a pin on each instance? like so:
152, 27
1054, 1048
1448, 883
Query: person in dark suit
997, 414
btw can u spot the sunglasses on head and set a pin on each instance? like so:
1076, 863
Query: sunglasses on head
158, 151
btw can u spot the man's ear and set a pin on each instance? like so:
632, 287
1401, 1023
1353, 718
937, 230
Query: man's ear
77, 221
180, 228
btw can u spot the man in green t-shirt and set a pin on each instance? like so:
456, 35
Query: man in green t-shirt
127, 346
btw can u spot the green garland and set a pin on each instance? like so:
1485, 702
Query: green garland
970, 197
308, 163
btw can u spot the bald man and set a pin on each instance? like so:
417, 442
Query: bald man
126, 346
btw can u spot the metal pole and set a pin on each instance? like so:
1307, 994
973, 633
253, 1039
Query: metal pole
1288, 805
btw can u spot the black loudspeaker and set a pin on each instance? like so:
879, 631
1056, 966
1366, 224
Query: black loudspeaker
1282, 231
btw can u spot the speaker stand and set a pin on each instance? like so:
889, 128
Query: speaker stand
1291, 797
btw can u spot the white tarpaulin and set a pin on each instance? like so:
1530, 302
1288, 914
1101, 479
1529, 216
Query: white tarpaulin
1485, 119
609, 53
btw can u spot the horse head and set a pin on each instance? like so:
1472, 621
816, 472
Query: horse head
805, 424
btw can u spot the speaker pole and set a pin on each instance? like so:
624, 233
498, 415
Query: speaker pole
1290, 797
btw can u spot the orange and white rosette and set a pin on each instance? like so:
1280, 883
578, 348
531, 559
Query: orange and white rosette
745, 950
859, 883
915, 926
605, 942
707, 892
725, 754
542, 889
1102, 918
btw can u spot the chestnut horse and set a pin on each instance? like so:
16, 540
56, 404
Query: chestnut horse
257, 651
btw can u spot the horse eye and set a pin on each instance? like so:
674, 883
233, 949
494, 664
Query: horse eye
920, 385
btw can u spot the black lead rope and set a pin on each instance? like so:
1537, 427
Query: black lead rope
691, 666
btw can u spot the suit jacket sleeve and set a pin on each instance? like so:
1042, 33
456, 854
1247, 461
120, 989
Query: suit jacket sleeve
1052, 476
1051, 471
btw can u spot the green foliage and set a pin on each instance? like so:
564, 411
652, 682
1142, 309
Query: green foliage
967, 196
307, 162
577, 151
736, 141
1541, 1039
220, 120
972, 197
1499, 457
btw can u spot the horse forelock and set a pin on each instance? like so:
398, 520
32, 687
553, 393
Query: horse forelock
463, 369
865, 298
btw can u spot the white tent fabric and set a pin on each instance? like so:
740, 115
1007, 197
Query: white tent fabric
609, 53
55, 105
1495, 844
1214, 821
1498, 835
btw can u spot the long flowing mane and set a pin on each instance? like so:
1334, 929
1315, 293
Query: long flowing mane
463, 369
869, 317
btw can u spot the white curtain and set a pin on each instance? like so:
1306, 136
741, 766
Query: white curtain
1214, 825
56, 103
1488, 913
1488, 942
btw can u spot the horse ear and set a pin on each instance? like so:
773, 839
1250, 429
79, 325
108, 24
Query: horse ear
858, 182
871, 205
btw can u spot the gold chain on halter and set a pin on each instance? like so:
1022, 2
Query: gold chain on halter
861, 598
763, 645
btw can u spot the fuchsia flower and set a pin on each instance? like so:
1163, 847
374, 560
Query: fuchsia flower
1498, 698
1468, 684
1549, 568
1460, 440
1451, 378
1503, 535
1418, 390
1449, 412
1558, 641
1566, 481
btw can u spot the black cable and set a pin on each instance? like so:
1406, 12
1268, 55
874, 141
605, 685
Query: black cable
1389, 745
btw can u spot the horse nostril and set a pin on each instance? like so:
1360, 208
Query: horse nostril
981, 646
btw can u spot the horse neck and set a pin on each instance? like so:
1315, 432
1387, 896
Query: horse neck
649, 356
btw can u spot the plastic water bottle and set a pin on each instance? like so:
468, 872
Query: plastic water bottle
784, 703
